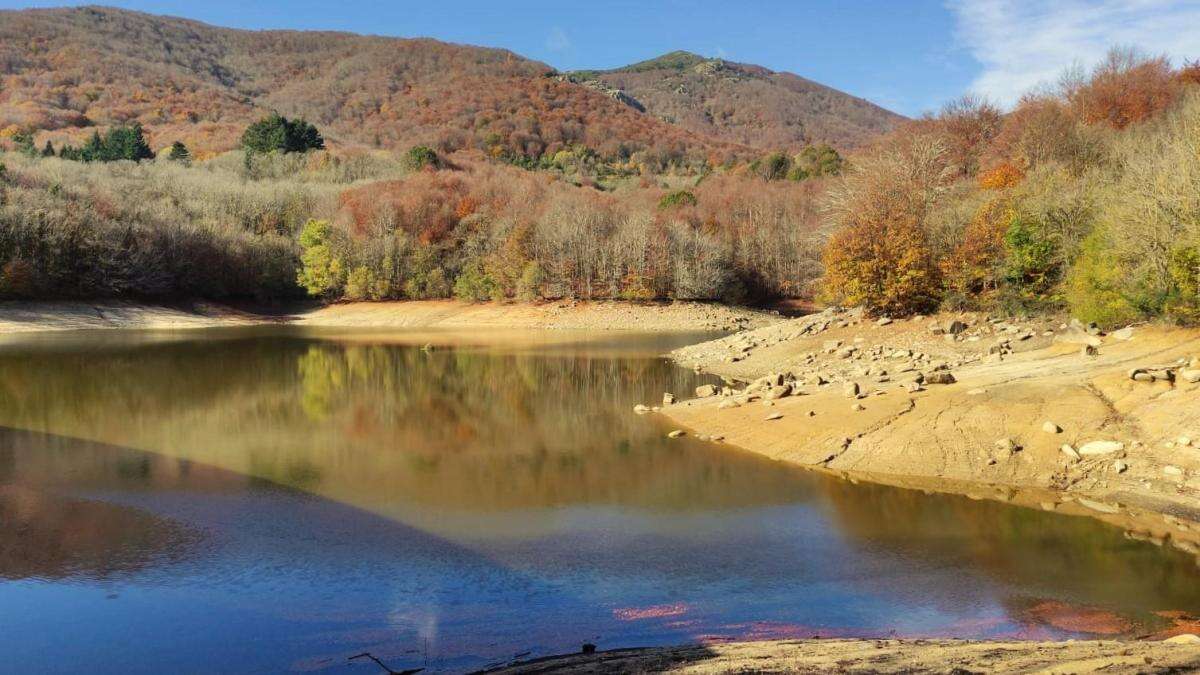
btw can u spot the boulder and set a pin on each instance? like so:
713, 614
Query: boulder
1070, 452
773, 416
1051, 428
1191, 375
940, 377
1184, 639
954, 327
1096, 448
675, 434
850, 389
775, 393
668, 398
706, 390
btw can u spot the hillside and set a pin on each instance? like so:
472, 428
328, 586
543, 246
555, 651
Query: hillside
745, 104
68, 70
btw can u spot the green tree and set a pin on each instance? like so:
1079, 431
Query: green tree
125, 142
24, 142
48, 150
179, 153
321, 272
774, 166
276, 133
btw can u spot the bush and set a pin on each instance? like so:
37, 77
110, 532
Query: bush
179, 153
475, 285
1095, 283
420, 157
529, 286
676, 199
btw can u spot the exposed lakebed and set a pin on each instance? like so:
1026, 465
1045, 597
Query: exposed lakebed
262, 499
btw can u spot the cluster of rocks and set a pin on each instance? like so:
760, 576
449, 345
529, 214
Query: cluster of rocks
1183, 370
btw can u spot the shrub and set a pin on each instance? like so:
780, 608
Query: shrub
420, 157
474, 285
529, 286
676, 199
1095, 283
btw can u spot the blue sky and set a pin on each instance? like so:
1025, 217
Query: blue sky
907, 55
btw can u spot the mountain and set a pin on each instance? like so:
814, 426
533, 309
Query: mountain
743, 103
65, 72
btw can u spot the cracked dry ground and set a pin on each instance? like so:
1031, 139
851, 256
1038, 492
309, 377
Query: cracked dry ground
953, 438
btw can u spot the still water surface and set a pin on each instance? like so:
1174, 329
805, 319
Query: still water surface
273, 499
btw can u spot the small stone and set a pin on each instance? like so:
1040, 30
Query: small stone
728, 403
1007, 446
668, 398
1191, 375
1184, 441
1172, 470
1051, 428
641, 409
1100, 448
706, 390
675, 434
1124, 334
857, 407
773, 416
1070, 452
850, 389
883, 321
1120, 466
1089, 350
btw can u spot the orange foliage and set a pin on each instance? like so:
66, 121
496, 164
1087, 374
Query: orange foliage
1003, 176
970, 270
1124, 89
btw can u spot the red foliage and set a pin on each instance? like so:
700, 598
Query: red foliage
1124, 89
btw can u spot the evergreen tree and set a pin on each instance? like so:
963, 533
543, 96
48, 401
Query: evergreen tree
277, 133
179, 153
93, 150
48, 151
126, 143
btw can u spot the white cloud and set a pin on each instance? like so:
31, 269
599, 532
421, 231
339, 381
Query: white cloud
1022, 45
557, 40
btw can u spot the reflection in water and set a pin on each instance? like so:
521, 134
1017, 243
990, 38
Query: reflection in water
272, 499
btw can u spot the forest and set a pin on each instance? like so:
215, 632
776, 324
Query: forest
1085, 197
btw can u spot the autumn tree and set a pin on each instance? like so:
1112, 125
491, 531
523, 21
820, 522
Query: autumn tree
1126, 88
880, 257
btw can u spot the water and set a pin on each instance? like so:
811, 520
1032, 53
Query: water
271, 499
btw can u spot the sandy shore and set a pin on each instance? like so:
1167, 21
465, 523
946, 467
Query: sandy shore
884, 656
24, 317
1020, 392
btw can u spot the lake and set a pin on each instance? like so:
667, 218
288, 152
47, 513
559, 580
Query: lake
273, 499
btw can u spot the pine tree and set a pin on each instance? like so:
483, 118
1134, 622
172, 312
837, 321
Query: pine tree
277, 133
179, 153
48, 151
93, 150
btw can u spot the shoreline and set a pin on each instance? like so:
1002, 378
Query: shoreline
36, 317
995, 429
880, 656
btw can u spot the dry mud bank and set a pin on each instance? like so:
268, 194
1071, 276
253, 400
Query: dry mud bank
22, 317
884, 656
1040, 413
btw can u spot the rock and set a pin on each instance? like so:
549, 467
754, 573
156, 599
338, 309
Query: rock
857, 407
1007, 446
706, 390
675, 434
668, 398
1190, 375
728, 403
775, 393
955, 327
1070, 452
940, 377
641, 409
1184, 441
1120, 466
883, 321
1184, 639
773, 416
1125, 333
1102, 507
831, 346
1089, 350
1096, 448
850, 389
1172, 470
1051, 428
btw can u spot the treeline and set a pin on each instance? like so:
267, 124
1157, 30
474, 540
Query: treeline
373, 225
1084, 198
